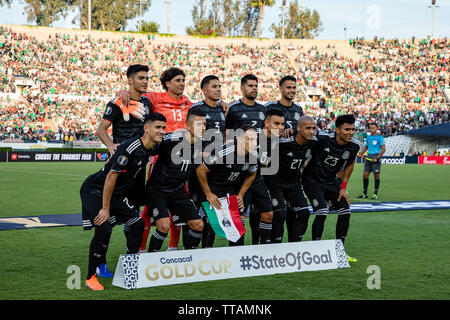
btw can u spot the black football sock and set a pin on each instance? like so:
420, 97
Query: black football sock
193, 239
208, 235
317, 227
365, 185
300, 225
105, 244
290, 221
377, 186
265, 232
134, 238
255, 218
342, 225
279, 216
96, 248
156, 241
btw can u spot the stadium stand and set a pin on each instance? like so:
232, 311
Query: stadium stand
54, 83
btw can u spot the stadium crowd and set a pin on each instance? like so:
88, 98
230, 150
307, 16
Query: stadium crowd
396, 83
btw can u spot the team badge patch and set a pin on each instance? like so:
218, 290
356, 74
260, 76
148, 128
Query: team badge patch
296, 116
308, 153
108, 110
155, 212
345, 155
122, 160
261, 116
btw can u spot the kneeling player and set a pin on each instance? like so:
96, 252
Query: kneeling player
223, 174
177, 160
332, 153
104, 194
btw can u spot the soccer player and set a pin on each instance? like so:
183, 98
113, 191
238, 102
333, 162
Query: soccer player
319, 178
291, 111
286, 185
247, 111
224, 174
375, 148
178, 157
104, 194
215, 128
269, 137
125, 127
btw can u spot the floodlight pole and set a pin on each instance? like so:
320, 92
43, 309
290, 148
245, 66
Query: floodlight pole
89, 14
432, 18
168, 15
282, 18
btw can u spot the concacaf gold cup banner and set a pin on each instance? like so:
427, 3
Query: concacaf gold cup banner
172, 267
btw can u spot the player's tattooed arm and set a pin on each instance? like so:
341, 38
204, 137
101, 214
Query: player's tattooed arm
104, 136
346, 176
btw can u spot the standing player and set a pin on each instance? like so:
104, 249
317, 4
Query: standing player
247, 111
224, 174
375, 148
215, 129
286, 185
125, 127
104, 194
178, 157
332, 153
291, 111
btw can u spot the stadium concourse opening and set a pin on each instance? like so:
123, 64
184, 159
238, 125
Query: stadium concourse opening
63, 220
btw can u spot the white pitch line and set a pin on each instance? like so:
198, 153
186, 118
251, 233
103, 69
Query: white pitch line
47, 173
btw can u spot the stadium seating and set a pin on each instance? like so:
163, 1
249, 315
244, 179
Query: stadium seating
75, 72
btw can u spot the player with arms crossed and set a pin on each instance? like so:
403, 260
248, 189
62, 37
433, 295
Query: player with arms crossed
104, 194
375, 148
319, 178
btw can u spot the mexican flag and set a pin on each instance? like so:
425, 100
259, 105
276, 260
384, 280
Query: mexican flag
226, 222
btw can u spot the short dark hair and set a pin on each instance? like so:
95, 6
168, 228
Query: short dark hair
345, 118
246, 127
194, 112
287, 78
154, 116
248, 77
373, 124
169, 74
207, 79
274, 112
135, 68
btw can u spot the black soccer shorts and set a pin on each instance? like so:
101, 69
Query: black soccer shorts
121, 210
294, 196
179, 204
370, 166
319, 193
258, 195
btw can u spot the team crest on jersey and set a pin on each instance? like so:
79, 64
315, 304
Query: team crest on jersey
222, 116
261, 115
155, 212
108, 110
308, 153
245, 167
296, 116
122, 160
345, 155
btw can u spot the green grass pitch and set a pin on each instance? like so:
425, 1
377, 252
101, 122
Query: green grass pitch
410, 247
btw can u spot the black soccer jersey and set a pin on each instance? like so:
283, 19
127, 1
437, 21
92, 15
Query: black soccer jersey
123, 130
329, 157
291, 114
176, 161
292, 159
129, 159
240, 114
215, 120
227, 168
